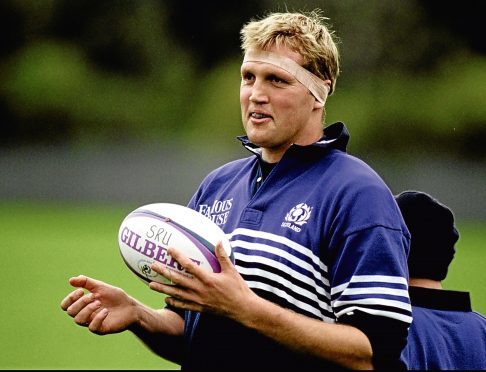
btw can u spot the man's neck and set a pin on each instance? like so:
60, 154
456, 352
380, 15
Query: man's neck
425, 283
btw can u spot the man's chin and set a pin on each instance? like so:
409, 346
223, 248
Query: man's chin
260, 136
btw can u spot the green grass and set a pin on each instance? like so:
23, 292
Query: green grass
43, 244
466, 272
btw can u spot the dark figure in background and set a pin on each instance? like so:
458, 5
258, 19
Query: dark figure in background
445, 333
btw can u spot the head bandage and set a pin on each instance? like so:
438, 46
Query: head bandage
318, 87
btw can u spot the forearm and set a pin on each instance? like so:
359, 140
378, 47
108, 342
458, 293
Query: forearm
342, 344
161, 331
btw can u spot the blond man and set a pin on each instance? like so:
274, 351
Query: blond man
320, 274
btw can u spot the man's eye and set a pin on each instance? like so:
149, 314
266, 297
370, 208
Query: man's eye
276, 79
247, 77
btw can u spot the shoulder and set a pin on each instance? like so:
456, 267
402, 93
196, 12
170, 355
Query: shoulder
480, 318
360, 197
355, 181
354, 169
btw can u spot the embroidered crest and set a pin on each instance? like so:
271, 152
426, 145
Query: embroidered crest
297, 217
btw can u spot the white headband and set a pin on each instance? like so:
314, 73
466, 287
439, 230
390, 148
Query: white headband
318, 87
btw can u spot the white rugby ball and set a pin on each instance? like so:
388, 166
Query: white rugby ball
147, 232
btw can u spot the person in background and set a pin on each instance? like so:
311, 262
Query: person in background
446, 334
320, 273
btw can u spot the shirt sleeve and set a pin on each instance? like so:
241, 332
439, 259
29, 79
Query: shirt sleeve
369, 273
387, 337
369, 290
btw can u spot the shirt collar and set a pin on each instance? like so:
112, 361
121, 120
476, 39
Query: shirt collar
335, 136
440, 299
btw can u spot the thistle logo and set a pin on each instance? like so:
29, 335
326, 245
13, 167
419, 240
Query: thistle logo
297, 217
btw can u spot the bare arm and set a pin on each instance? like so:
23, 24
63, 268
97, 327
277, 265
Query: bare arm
340, 343
161, 331
227, 294
106, 309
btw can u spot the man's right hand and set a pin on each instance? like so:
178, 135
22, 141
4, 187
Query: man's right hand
104, 309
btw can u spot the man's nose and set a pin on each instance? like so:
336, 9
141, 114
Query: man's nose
258, 92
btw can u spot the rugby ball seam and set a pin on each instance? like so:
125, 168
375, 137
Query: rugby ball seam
204, 246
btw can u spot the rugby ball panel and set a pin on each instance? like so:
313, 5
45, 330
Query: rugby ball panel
147, 232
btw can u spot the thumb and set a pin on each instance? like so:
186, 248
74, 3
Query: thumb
82, 281
222, 256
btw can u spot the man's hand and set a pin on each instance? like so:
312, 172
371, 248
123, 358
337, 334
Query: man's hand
104, 309
224, 293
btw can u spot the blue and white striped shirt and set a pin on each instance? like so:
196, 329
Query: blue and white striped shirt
322, 235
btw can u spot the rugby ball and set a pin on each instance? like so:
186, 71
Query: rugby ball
147, 232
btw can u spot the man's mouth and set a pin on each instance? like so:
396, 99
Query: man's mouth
256, 115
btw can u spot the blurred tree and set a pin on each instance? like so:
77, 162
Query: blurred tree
461, 22
139, 70
121, 37
12, 24
94, 71
211, 29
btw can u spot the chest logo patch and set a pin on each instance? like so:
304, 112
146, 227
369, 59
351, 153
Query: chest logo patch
297, 217
217, 211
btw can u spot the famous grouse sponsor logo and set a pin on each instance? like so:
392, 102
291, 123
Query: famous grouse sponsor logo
297, 217
218, 211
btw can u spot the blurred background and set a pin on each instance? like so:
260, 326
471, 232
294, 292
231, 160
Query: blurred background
107, 105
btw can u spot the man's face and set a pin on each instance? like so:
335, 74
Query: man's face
277, 110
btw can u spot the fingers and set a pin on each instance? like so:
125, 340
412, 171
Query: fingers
222, 256
95, 325
181, 287
85, 315
189, 266
71, 298
190, 269
168, 289
183, 305
85, 309
80, 281
76, 306
83, 281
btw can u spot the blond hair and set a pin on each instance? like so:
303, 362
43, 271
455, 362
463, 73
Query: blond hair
304, 33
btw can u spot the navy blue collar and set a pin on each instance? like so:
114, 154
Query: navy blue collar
440, 299
335, 136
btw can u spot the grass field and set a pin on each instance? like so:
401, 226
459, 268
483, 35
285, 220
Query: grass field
43, 244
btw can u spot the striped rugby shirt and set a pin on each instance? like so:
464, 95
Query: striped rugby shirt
322, 235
